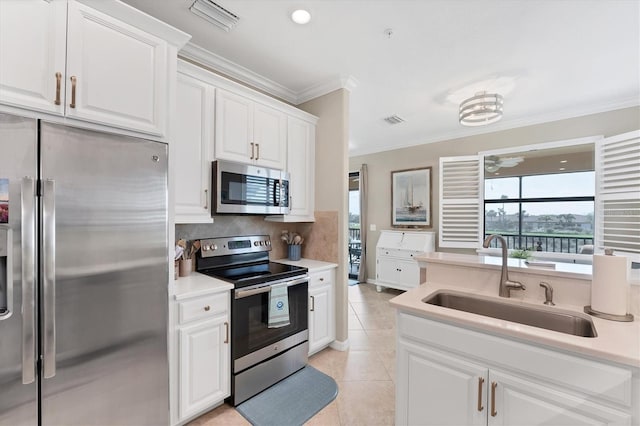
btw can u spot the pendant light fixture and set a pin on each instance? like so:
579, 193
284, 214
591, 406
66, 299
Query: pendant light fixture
481, 109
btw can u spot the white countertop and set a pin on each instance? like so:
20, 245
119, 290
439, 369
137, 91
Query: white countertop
197, 284
567, 270
312, 265
616, 341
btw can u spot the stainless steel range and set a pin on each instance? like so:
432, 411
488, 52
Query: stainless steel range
262, 354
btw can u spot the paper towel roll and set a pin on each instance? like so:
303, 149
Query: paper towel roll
609, 286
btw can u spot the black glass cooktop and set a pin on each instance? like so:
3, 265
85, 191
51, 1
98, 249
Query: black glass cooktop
247, 275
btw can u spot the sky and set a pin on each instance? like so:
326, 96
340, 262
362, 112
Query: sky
4, 189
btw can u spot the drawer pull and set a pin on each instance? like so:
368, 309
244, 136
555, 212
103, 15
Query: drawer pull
58, 84
493, 399
206, 308
480, 383
73, 92
321, 279
226, 332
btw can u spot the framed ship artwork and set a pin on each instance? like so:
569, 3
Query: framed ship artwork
4, 200
411, 198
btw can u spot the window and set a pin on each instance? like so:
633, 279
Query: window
549, 212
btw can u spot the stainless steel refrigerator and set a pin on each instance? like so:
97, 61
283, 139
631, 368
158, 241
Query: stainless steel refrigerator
83, 285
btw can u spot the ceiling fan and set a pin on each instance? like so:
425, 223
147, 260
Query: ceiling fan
492, 163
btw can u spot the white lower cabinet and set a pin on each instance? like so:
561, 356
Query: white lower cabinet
322, 329
437, 386
203, 352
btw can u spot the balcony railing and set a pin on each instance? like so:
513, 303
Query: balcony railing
544, 242
354, 234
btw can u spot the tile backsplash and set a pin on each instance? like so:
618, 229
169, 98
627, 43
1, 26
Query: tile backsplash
320, 237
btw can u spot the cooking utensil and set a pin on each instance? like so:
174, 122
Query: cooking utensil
297, 240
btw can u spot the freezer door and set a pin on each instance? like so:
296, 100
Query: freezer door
18, 384
104, 267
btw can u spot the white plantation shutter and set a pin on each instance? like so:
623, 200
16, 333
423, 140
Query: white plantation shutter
460, 202
617, 215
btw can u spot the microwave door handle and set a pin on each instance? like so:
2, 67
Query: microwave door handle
276, 190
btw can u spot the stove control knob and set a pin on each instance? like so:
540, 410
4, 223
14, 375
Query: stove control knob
268, 242
205, 247
255, 243
213, 247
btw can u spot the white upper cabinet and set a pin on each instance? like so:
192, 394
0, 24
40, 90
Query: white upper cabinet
249, 132
120, 72
32, 52
106, 63
193, 149
301, 143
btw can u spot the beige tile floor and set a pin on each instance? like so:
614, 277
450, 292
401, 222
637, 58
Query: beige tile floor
365, 373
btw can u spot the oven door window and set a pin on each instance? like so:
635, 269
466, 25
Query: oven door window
249, 320
249, 190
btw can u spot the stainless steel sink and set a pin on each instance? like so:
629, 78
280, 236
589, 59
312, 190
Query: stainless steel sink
543, 317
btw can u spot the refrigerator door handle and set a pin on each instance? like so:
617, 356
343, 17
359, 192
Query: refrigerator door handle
28, 236
49, 278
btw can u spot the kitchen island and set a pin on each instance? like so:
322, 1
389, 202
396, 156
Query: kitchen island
504, 372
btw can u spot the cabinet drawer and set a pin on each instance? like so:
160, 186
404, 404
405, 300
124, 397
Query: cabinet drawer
320, 278
397, 253
202, 307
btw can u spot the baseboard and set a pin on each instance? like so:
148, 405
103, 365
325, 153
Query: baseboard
340, 345
371, 281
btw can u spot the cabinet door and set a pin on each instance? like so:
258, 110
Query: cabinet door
32, 51
269, 136
204, 365
120, 72
234, 128
521, 402
301, 166
438, 389
321, 314
193, 149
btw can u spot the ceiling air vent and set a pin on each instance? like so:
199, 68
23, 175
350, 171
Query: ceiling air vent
394, 119
214, 13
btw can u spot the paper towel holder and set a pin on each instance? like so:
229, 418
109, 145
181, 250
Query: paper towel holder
611, 317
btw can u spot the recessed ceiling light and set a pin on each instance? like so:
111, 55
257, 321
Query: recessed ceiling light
563, 161
301, 16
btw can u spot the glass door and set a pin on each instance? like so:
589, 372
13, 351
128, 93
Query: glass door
355, 243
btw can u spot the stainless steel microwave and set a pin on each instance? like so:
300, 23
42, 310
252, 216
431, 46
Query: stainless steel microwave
245, 189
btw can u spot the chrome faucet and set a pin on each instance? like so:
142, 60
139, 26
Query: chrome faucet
506, 285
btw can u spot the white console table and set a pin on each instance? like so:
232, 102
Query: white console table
395, 266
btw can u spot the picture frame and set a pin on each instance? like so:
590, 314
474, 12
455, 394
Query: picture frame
411, 203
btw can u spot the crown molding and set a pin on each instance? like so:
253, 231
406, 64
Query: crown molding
200, 55
507, 125
343, 82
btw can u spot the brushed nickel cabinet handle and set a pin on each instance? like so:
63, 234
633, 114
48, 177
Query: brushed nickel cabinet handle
58, 84
257, 151
494, 385
226, 332
207, 308
321, 279
480, 383
206, 199
73, 92
313, 303
252, 150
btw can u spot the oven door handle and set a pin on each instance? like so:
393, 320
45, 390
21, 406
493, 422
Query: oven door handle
240, 294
